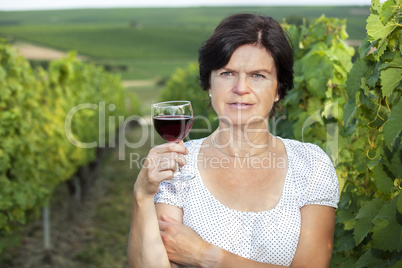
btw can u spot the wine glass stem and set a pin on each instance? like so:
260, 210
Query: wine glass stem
178, 166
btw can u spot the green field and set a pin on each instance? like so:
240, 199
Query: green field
147, 43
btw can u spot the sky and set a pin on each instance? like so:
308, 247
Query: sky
7, 5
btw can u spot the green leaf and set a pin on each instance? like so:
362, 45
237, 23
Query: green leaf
365, 48
375, 6
400, 43
386, 12
393, 125
369, 260
382, 181
387, 231
344, 242
376, 30
372, 80
349, 110
360, 161
364, 218
398, 265
395, 63
390, 79
399, 202
353, 82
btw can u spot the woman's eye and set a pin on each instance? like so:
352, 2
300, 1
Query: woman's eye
226, 74
258, 76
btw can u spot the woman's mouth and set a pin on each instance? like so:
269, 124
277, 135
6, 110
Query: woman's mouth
240, 105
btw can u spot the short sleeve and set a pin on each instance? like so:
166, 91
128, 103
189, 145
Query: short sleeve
171, 193
322, 186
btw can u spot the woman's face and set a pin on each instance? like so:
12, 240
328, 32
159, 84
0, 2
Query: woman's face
245, 89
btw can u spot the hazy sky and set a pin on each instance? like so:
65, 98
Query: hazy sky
62, 4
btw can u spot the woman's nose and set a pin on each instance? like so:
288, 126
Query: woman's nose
241, 86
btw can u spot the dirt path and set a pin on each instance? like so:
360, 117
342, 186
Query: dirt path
34, 52
138, 83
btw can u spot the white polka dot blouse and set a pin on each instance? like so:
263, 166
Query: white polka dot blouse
268, 236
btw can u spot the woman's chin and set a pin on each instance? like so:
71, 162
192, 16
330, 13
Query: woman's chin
245, 121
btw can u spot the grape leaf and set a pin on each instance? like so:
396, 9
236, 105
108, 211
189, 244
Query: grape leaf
365, 47
375, 6
364, 218
393, 125
381, 47
390, 79
397, 265
345, 242
353, 82
369, 260
372, 80
386, 13
387, 231
376, 30
400, 43
399, 202
381, 180
349, 110
395, 63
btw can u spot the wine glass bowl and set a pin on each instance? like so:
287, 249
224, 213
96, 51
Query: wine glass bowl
173, 121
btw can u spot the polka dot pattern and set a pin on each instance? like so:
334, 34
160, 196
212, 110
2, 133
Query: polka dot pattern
267, 236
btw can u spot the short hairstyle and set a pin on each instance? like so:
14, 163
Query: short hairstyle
241, 29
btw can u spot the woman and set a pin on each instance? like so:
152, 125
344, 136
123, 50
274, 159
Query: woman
256, 200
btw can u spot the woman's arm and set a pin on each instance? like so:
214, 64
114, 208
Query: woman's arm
314, 248
174, 213
145, 246
316, 237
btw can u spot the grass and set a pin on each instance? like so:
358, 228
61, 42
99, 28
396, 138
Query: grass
115, 41
140, 69
148, 43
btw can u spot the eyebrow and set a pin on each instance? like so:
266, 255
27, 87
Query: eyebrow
261, 71
251, 72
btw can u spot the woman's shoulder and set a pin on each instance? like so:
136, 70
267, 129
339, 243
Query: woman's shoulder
303, 148
313, 173
306, 153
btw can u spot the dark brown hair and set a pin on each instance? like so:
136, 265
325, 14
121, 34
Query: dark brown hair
241, 29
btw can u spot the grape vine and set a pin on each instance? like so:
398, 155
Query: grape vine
35, 154
369, 219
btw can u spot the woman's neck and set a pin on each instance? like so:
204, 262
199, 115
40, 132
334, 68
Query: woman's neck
242, 141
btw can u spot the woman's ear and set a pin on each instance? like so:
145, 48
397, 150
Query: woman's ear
209, 92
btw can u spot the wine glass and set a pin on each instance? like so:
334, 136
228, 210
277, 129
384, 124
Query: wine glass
173, 121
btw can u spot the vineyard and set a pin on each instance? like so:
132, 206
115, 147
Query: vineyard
148, 43
45, 132
59, 127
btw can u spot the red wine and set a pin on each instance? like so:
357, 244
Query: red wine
173, 128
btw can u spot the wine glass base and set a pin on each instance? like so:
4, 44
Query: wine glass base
178, 177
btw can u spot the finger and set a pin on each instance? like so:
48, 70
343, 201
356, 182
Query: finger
162, 225
171, 147
158, 177
167, 163
181, 160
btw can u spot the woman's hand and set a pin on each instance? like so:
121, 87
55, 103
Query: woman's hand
182, 244
160, 165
